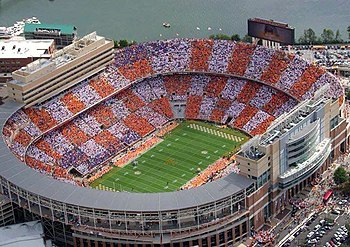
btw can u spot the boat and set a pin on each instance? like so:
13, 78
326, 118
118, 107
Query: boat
17, 28
4, 33
166, 24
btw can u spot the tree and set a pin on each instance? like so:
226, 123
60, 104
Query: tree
327, 36
116, 44
345, 188
340, 176
235, 37
123, 43
348, 95
348, 29
338, 38
309, 37
247, 39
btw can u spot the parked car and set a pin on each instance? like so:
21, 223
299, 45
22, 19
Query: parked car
310, 234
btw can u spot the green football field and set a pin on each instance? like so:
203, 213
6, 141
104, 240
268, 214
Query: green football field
174, 161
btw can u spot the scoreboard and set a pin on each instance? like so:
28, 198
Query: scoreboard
271, 30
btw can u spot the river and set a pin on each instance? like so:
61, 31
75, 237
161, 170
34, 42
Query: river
141, 20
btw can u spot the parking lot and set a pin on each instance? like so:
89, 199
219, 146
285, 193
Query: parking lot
324, 229
327, 56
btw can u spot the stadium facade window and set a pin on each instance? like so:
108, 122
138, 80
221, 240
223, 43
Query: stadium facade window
244, 227
229, 235
213, 240
204, 242
221, 238
237, 231
334, 122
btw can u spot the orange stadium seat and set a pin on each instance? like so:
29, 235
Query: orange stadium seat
240, 58
201, 52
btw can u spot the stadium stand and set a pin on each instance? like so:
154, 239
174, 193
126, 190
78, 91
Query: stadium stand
86, 125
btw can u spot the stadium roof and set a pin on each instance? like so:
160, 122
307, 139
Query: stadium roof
29, 234
64, 29
25, 48
26, 178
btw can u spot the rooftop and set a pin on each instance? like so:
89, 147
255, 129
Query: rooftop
287, 121
64, 29
59, 58
24, 48
23, 234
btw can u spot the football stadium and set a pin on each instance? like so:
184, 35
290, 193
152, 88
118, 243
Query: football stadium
182, 142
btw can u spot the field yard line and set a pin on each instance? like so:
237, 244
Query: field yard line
208, 143
173, 155
132, 185
212, 136
155, 169
227, 130
143, 153
182, 140
212, 131
143, 173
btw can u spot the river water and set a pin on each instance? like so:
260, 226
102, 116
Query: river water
141, 20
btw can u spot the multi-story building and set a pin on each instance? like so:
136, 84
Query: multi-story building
62, 34
7, 215
45, 78
297, 148
15, 54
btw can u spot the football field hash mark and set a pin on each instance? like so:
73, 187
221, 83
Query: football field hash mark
191, 147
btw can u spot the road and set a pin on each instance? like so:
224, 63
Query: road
290, 225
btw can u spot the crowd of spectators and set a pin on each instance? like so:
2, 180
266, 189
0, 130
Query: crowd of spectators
240, 58
111, 126
86, 125
306, 80
265, 238
177, 86
258, 62
208, 174
279, 63
220, 56
167, 128
201, 52
129, 155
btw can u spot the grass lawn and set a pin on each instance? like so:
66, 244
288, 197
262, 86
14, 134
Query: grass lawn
174, 161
